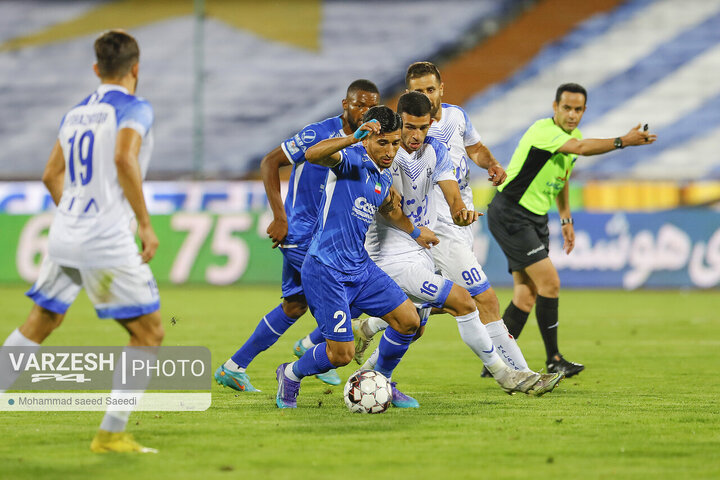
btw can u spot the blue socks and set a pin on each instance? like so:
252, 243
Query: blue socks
314, 361
393, 346
270, 328
316, 336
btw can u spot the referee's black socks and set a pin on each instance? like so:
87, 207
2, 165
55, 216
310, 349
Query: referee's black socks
546, 311
514, 319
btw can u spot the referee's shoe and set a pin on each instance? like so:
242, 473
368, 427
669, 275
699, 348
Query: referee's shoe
558, 364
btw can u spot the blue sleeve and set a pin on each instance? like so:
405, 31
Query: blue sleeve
296, 146
347, 162
137, 115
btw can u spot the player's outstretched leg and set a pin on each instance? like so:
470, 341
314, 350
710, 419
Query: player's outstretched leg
233, 373
313, 338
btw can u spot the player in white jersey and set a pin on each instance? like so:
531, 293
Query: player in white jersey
94, 175
454, 256
422, 164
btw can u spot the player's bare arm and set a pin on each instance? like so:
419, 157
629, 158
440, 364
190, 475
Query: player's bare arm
270, 172
327, 152
54, 174
391, 210
462, 216
595, 146
566, 221
483, 158
127, 147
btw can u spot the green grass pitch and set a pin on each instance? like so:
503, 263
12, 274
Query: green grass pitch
647, 405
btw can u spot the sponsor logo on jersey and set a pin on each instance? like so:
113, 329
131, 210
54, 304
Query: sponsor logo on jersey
364, 210
292, 148
308, 136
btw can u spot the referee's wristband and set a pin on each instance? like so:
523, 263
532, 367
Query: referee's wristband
566, 221
415, 233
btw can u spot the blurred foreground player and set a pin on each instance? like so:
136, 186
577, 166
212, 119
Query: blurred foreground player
517, 217
94, 176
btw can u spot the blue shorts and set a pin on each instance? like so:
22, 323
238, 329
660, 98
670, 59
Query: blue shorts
331, 294
293, 259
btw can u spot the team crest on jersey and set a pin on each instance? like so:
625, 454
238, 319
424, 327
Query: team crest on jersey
308, 136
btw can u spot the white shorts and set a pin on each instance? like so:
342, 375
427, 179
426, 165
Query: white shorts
415, 274
116, 292
456, 260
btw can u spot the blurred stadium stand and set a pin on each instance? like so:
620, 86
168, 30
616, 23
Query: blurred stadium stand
646, 61
269, 68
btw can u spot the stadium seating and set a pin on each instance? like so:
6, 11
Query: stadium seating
646, 61
261, 84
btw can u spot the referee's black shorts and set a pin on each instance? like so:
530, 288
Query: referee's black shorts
523, 236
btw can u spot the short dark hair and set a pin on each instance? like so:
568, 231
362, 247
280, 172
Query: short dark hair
572, 88
389, 120
414, 103
420, 69
116, 52
362, 85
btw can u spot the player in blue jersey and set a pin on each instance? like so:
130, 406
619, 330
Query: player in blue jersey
339, 278
291, 230
94, 175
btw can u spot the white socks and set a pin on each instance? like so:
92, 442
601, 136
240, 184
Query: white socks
307, 343
116, 420
7, 374
506, 345
233, 367
374, 325
475, 336
289, 372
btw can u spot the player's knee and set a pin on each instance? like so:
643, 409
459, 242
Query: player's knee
419, 333
408, 323
550, 287
295, 307
459, 302
157, 334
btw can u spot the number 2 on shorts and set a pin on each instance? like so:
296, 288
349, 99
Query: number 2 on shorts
338, 327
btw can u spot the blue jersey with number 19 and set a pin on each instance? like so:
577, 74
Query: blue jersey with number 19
307, 181
92, 225
355, 188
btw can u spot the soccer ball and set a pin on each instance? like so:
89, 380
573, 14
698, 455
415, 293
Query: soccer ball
367, 391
